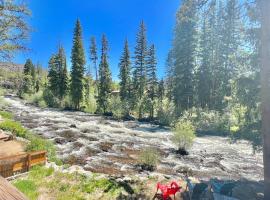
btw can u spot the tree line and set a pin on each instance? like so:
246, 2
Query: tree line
138, 87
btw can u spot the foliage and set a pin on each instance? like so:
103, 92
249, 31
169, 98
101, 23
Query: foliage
50, 99
149, 158
125, 79
208, 121
183, 134
14, 127
139, 72
78, 67
116, 107
166, 113
152, 82
13, 28
105, 79
6, 115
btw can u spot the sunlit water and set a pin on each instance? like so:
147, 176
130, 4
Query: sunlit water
111, 147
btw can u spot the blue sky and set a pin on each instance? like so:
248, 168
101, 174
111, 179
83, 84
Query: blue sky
53, 22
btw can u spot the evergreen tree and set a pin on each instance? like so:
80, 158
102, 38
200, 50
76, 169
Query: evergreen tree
170, 75
139, 76
53, 76
152, 82
161, 92
78, 67
62, 73
105, 80
204, 72
93, 55
184, 50
28, 67
125, 78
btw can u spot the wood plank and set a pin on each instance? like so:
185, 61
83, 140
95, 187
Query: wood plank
9, 192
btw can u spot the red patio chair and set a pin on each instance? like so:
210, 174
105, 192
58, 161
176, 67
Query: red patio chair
168, 190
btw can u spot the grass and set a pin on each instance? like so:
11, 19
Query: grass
27, 187
14, 127
6, 115
62, 186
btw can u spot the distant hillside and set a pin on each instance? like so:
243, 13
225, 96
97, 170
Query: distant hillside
11, 67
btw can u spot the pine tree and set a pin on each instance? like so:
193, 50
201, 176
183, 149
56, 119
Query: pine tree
161, 92
105, 80
139, 76
204, 72
125, 78
28, 67
62, 73
78, 67
152, 82
53, 76
93, 55
184, 50
169, 75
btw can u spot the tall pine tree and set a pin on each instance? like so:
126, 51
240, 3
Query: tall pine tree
105, 80
139, 73
184, 50
152, 82
125, 78
62, 73
78, 67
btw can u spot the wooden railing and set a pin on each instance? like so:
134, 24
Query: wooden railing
12, 165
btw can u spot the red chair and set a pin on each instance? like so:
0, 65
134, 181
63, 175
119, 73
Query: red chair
168, 190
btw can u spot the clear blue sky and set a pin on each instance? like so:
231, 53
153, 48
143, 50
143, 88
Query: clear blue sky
53, 22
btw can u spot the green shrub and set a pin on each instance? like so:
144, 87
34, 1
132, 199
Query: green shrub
106, 185
6, 115
27, 187
50, 99
91, 105
116, 107
14, 127
166, 114
183, 134
208, 121
148, 159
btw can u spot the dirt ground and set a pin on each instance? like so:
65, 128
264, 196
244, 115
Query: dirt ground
11, 148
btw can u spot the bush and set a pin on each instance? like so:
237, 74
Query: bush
6, 115
14, 127
148, 159
116, 107
208, 121
165, 114
50, 99
91, 105
183, 135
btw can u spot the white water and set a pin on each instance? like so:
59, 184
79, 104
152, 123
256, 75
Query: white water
101, 145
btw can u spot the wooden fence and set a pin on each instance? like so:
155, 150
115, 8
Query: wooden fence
12, 165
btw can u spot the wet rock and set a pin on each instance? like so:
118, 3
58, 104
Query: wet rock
73, 126
60, 140
105, 146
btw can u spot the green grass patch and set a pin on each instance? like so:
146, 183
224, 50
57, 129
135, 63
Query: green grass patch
6, 115
62, 186
14, 127
105, 185
28, 187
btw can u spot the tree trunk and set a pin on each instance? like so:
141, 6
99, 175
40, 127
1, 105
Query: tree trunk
265, 92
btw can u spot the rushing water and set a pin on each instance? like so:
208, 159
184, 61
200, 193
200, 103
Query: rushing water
111, 147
